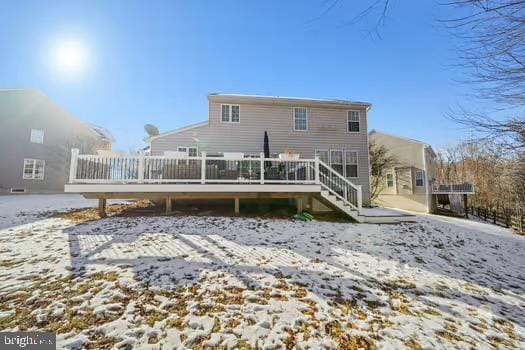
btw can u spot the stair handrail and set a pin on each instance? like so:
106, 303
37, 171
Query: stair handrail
358, 188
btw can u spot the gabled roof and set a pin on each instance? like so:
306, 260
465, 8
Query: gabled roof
95, 130
426, 145
262, 98
176, 131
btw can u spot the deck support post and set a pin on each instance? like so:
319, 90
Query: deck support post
73, 165
203, 167
465, 204
168, 205
236, 201
311, 203
262, 167
102, 207
141, 167
359, 198
299, 204
317, 178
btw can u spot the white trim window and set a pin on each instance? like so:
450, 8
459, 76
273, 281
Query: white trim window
351, 169
33, 169
37, 136
353, 118
191, 151
300, 119
336, 161
389, 180
420, 178
230, 113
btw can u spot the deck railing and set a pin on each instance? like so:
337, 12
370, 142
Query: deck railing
339, 186
203, 169
464, 188
118, 169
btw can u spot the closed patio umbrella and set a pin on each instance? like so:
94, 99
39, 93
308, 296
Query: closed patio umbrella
266, 146
267, 164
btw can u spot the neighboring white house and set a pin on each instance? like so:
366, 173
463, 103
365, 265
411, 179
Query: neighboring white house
409, 184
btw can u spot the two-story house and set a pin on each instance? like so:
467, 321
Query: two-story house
36, 137
334, 130
312, 152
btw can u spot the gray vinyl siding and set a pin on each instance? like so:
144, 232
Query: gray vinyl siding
327, 129
23, 110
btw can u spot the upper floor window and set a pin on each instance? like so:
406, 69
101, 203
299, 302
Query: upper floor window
230, 113
350, 164
300, 119
352, 118
37, 136
389, 180
33, 169
420, 175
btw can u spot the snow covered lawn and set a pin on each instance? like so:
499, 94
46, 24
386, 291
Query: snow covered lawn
201, 282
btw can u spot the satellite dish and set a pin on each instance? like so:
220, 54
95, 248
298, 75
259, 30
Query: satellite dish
151, 129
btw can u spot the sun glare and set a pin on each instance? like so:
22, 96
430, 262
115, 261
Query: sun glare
70, 57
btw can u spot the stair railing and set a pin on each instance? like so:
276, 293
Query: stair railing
339, 186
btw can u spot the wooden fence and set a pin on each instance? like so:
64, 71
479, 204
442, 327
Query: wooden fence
507, 217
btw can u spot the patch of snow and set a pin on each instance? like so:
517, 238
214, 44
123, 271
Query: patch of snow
182, 282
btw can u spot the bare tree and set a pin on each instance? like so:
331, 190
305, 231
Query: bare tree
381, 161
499, 179
508, 133
491, 49
377, 10
491, 42
491, 46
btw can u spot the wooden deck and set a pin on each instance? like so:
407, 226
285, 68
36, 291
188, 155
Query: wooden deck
464, 188
228, 177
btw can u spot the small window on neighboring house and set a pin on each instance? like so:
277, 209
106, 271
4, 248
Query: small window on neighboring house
230, 113
350, 164
37, 136
300, 119
190, 151
389, 180
336, 161
323, 156
419, 178
33, 169
353, 121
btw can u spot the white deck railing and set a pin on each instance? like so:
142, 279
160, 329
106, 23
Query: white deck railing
203, 169
339, 186
464, 188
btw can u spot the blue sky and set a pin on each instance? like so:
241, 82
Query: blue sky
155, 62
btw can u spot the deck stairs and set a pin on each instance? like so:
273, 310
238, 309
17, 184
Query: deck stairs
338, 204
340, 193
